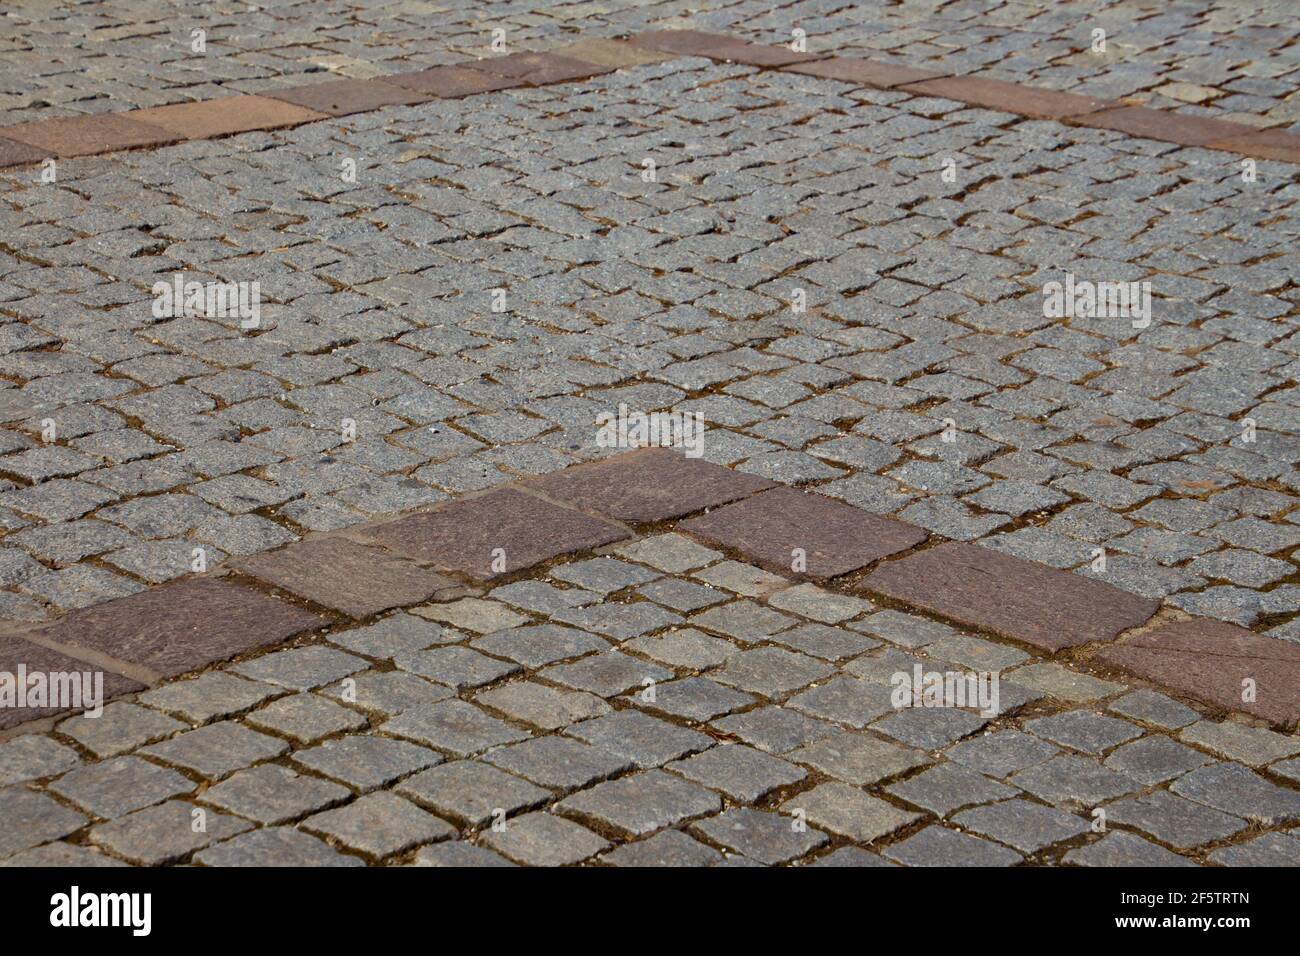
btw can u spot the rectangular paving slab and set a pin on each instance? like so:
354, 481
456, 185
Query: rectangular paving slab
346, 576
16, 653
1022, 600
851, 69
14, 153
177, 627
1165, 125
1008, 97
87, 135
497, 533
649, 485
344, 97
1212, 661
224, 116
798, 532
539, 69
449, 82
1265, 144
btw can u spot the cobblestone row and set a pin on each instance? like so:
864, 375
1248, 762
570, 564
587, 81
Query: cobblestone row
381, 379
660, 703
847, 284
1234, 61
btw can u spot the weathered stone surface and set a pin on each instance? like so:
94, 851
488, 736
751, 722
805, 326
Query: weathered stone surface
31, 818
1208, 660
178, 627
16, 653
451, 82
344, 97
651, 484
1165, 125
471, 792
540, 69
719, 47
359, 581
165, 833
274, 846
769, 838
85, 135
1032, 101
379, 825
777, 528
937, 846
223, 116
848, 811
641, 803
542, 839
1022, 600
14, 153
850, 69
469, 534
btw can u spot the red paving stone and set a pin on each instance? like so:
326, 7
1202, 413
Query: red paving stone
616, 53
183, 625
718, 47
835, 538
463, 535
540, 69
16, 653
87, 135
345, 97
450, 82
346, 576
14, 153
1009, 97
224, 116
1208, 660
1267, 144
1164, 125
1022, 600
864, 72
652, 484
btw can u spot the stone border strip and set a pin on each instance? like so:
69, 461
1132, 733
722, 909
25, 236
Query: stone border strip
31, 143
454, 547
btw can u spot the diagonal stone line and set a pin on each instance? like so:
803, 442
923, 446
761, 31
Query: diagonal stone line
276, 109
191, 623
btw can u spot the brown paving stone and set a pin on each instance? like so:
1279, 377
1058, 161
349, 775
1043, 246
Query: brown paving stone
177, 627
851, 69
450, 82
224, 116
1266, 144
718, 47
462, 535
1023, 600
836, 538
15, 651
346, 576
1208, 660
651, 484
344, 97
1009, 97
540, 69
14, 153
615, 53
1164, 125
87, 135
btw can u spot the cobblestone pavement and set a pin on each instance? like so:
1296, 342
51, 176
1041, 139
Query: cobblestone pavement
1159, 460
657, 702
1234, 60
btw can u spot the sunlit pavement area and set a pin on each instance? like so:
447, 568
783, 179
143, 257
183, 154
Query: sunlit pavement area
357, 598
